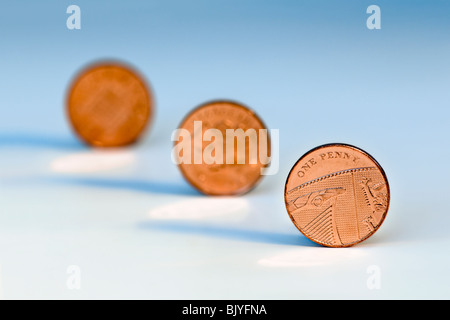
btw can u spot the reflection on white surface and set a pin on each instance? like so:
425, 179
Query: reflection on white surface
202, 208
92, 161
311, 257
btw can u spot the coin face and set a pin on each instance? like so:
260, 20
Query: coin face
337, 195
109, 105
224, 148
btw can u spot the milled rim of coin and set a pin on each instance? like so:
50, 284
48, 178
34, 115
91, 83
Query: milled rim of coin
143, 123
243, 107
315, 223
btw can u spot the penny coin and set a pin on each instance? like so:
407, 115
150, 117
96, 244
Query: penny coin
109, 105
224, 148
337, 195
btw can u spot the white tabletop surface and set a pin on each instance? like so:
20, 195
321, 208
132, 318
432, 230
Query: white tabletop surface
126, 225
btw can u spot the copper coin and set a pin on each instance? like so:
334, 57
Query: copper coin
109, 105
238, 167
337, 195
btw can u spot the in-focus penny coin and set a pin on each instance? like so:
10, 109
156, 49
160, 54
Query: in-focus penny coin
109, 105
337, 195
232, 137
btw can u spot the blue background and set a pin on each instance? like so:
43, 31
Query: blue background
311, 69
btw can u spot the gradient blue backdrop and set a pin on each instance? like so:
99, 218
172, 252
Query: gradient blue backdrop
311, 69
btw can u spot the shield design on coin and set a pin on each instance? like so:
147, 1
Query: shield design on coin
339, 208
321, 204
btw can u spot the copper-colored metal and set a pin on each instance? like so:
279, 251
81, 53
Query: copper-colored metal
109, 105
223, 179
337, 195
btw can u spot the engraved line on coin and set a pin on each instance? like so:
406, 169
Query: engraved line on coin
320, 218
337, 238
324, 230
356, 205
326, 227
337, 173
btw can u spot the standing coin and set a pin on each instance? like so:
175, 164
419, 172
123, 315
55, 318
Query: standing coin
109, 105
337, 195
223, 148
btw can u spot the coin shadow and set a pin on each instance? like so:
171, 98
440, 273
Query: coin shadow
228, 232
40, 141
157, 187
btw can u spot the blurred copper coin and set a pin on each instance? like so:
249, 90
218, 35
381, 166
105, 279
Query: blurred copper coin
337, 195
222, 148
109, 105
